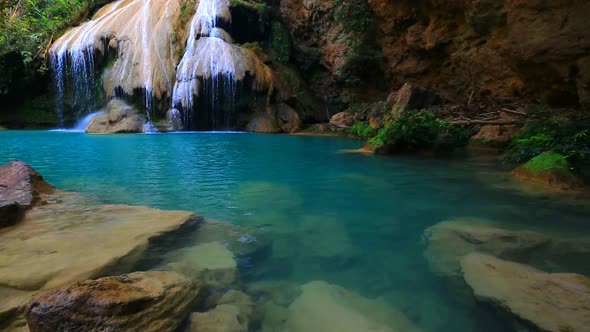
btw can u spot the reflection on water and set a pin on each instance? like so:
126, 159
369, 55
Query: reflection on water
349, 220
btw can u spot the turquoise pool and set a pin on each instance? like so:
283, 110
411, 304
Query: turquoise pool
352, 220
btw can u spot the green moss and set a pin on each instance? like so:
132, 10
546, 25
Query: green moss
548, 161
280, 45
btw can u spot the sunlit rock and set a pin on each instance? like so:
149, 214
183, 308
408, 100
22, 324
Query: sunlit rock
140, 301
118, 118
553, 302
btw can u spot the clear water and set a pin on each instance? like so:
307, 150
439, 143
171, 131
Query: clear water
351, 220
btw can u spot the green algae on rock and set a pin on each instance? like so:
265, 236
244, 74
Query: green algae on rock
550, 170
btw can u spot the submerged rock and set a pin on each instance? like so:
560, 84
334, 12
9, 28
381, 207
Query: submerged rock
140, 301
209, 263
223, 318
119, 118
231, 314
449, 241
553, 302
327, 308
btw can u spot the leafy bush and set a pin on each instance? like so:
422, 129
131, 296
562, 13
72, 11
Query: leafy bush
567, 135
420, 130
362, 129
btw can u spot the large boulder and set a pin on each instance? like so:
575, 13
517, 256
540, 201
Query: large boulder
342, 119
140, 301
329, 308
20, 183
263, 123
551, 171
411, 97
554, 302
21, 187
495, 134
288, 119
118, 118
449, 241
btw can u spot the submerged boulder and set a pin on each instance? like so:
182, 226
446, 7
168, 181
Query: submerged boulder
553, 302
550, 170
140, 301
325, 307
209, 263
118, 118
223, 318
449, 241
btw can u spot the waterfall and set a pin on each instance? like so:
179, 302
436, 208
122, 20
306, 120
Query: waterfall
141, 34
212, 63
145, 38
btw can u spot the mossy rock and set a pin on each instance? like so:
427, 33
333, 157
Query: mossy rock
550, 170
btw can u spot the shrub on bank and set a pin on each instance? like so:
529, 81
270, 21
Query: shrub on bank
420, 130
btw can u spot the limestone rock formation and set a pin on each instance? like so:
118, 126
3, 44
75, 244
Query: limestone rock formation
118, 118
553, 302
462, 48
449, 241
209, 263
263, 123
330, 308
342, 119
495, 134
411, 97
140, 301
142, 33
288, 119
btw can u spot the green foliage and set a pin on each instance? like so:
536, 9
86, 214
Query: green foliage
362, 129
28, 26
358, 28
549, 160
186, 11
280, 46
567, 135
420, 130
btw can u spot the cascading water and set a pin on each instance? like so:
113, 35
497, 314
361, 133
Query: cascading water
144, 36
212, 65
139, 32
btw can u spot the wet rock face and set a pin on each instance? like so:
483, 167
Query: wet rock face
484, 47
21, 187
141, 301
118, 118
20, 183
553, 302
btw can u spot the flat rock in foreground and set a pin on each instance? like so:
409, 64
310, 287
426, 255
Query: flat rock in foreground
553, 302
70, 240
140, 301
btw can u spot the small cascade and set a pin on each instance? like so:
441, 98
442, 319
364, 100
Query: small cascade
213, 66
